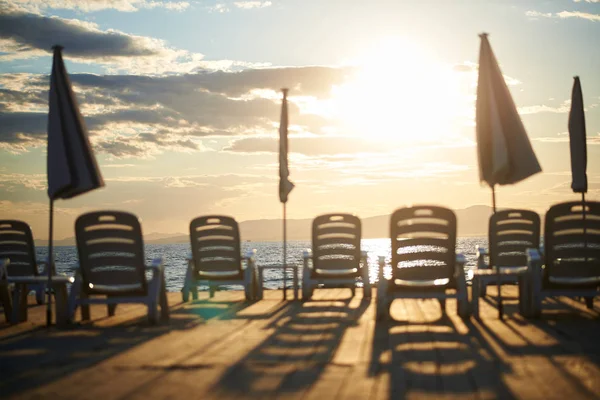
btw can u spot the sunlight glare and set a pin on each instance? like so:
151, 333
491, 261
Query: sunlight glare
401, 93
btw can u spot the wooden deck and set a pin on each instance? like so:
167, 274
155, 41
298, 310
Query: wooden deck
329, 348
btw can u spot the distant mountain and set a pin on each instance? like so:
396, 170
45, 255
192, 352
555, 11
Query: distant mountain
472, 221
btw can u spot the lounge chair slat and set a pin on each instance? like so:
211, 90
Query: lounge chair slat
571, 238
577, 252
217, 231
13, 237
422, 242
111, 234
218, 253
332, 251
588, 223
334, 230
418, 228
516, 226
95, 248
337, 240
425, 255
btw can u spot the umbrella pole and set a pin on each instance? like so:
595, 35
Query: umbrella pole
49, 267
584, 227
284, 253
498, 277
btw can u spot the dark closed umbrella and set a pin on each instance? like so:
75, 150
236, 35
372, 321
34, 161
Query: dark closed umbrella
285, 185
71, 166
577, 140
504, 152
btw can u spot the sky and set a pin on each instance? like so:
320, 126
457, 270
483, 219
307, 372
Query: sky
182, 102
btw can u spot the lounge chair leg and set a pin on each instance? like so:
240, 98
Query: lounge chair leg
19, 303
163, 301
475, 293
74, 297
589, 303
153, 312
442, 305
462, 296
188, 285
249, 284
353, 289
111, 309
382, 311
211, 290
40, 294
5, 300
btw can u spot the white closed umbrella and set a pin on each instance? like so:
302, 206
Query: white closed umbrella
504, 151
71, 166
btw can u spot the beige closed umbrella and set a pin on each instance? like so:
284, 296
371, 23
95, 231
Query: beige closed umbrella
504, 151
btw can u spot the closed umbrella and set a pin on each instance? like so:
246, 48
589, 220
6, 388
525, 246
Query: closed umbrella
504, 152
285, 185
71, 166
578, 145
577, 141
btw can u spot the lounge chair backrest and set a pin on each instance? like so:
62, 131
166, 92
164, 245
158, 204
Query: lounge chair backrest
215, 241
423, 243
336, 242
16, 244
111, 252
511, 233
572, 242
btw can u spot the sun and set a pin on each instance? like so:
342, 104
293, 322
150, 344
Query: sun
401, 93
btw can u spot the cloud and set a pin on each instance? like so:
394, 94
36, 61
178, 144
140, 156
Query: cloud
141, 116
563, 138
536, 109
219, 8
26, 35
565, 14
587, 1
578, 14
312, 146
246, 5
97, 5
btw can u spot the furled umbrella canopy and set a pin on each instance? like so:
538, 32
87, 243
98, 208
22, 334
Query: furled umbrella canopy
72, 169
577, 140
503, 148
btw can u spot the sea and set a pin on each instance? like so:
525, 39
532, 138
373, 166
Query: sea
267, 253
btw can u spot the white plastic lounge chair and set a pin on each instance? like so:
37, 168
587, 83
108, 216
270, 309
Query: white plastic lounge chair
16, 244
216, 258
424, 260
571, 263
510, 234
111, 265
337, 260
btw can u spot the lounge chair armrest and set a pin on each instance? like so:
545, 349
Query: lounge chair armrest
250, 259
459, 266
533, 257
381, 266
157, 265
250, 255
306, 257
364, 257
3, 264
482, 252
306, 254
